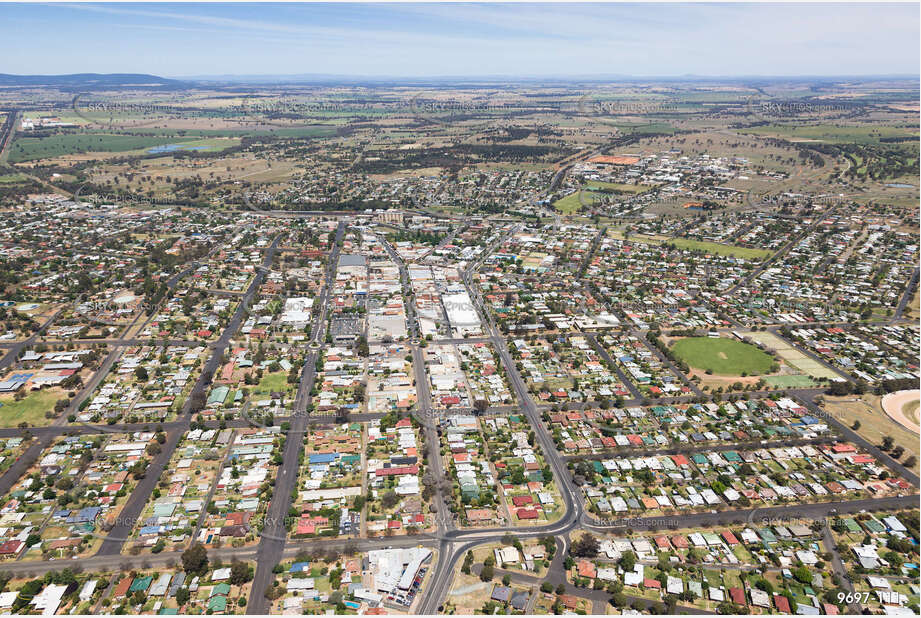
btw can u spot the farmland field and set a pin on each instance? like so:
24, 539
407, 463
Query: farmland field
31, 148
837, 134
12, 178
722, 356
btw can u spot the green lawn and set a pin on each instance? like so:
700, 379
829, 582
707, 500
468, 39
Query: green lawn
790, 381
615, 186
8, 179
270, 382
30, 409
722, 356
571, 204
720, 249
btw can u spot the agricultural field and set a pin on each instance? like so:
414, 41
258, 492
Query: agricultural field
835, 133
30, 149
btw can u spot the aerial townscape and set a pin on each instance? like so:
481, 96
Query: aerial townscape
331, 345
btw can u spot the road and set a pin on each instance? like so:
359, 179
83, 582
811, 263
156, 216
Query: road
275, 531
16, 348
131, 513
7, 130
450, 553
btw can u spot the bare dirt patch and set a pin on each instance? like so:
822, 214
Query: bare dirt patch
895, 405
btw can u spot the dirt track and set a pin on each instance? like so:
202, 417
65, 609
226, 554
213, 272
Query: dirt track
893, 404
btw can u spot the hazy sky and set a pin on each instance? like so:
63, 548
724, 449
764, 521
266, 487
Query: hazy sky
461, 39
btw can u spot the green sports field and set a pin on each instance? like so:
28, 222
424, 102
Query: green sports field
572, 203
727, 357
746, 253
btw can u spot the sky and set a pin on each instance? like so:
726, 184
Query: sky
427, 40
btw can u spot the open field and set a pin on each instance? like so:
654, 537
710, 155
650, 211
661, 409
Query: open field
569, 204
720, 249
834, 133
792, 381
910, 410
874, 424
30, 148
616, 187
722, 356
6, 179
30, 409
792, 357
699, 245
164, 174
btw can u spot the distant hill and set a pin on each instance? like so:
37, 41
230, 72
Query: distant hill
93, 81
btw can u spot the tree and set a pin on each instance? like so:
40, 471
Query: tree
585, 547
141, 374
840, 388
182, 596
487, 573
390, 499
468, 562
239, 573
894, 559
195, 559
887, 443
